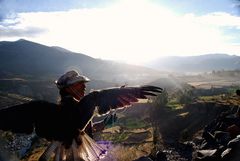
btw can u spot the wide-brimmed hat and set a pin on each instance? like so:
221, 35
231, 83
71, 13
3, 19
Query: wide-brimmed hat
69, 78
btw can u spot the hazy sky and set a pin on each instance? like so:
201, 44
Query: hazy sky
126, 30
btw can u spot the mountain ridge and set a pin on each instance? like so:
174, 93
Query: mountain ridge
24, 57
199, 63
33, 58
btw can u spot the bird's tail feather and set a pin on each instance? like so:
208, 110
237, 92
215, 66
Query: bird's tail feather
57, 156
49, 151
89, 149
84, 150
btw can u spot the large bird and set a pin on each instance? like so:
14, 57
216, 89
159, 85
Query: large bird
65, 128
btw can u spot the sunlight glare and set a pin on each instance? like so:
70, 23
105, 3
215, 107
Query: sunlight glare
132, 31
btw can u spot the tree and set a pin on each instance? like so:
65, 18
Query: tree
185, 96
161, 100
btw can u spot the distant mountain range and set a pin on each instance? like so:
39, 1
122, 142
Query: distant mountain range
28, 58
202, 63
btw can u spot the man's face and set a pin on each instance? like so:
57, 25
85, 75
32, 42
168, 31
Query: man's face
77, 90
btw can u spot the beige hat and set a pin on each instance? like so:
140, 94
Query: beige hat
70, 78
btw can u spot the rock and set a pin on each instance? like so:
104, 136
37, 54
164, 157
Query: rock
232, 151
161, 156
226, 152
222, 137
207, 155
234, 142
238, 111
209, 142
234, 130
144, 158
204, 153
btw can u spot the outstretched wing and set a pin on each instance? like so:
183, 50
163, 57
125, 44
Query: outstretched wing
23, 118
112, 98
124, 96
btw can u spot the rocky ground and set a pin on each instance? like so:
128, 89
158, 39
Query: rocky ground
201, 131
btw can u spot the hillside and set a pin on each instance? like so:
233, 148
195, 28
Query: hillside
26, 58
201, 63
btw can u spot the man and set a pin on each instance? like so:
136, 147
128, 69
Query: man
72, 87
68, 124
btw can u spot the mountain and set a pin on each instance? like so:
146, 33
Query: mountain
30, 69
26, 58
29, 58
202, 63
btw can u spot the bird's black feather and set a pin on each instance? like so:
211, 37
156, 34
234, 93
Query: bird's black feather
119, 97
54, 122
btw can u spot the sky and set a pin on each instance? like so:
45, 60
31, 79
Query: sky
132, 31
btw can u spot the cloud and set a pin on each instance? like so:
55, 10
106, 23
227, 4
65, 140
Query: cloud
11, 23
20, 32
221, 19
126, 29
8, 22
227, 24
10, 8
